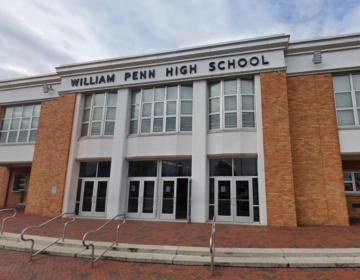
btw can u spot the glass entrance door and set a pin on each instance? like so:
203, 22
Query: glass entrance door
168, 199
93, 198
224, 195
243, 203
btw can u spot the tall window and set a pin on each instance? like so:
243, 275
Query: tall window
352, 181
20, 123
347, 99
99, 114
161, 109
231, 104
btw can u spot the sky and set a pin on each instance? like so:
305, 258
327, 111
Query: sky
38, 35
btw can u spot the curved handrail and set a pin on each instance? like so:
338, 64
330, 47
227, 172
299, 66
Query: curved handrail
92, 244
3, 222
39, 226
212, 245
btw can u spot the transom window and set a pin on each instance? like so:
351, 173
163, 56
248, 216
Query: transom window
347, 99
231, 104
99, 114
161, 109
352, 181
20, 124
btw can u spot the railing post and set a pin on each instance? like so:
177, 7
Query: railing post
3, 222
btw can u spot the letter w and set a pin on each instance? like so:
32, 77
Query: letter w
74, 82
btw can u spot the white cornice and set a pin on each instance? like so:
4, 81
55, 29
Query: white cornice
30, 81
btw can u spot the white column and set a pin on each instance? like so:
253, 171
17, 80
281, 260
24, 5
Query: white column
117, 186
199, 172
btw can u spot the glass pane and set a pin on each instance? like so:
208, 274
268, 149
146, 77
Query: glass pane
78, 192
88, 101
101, 197
33, 134
104, 169
211, 212
86, 116
255, 191
84, 129
242, 199
97, 115
247, 102
245, 166
230, 87
109, 128
112, 99
343, 99
186, 124
146, 112
96, 128
248, 119
3, 136
148, 95
186, 107
99, 99
345, 117
214, 105
36, 111
358, 115
168, 197
341, 83
148, 201
256, 214
135, 97
27, 111
87, 197
349, 187
35, 123
159, 94
170, 124
224, 198
347, 177
356, 82
186, 92
110, 113
146, 168
214, 89
8, 113
17, 112
230, 103
357, 181
145, 126
231, 120
5, 124
134, 127
171, 108
23, 136
88, 169
134, 187
159, 109
211, 191
178, 168
357, 94
247, 86
214, 122
171, 93
25, 123
134, 111
158, 125
15, 124
221, 167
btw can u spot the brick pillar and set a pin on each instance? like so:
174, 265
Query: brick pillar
280, 198
318, 178
51, 156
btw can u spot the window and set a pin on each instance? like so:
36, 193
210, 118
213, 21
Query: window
161, 109
20, 182
352, 181
233, 167
99, 114
231, 104
347, 99
20, 123
176, 168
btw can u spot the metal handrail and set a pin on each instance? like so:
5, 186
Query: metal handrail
212, 245
92, 244
39, 226
3, 222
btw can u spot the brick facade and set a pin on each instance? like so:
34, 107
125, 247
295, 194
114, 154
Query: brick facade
318, 179
280, 200
51, 156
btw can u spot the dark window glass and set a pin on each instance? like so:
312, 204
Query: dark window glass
142, 169
101, 197
211, 212
104, 169
221, 167
19, 182
255, 191
211, 191
133, 196
168, 197
77, 207
88, 169
224, 198
256, 214
245, 166
148, 202
87, 197
176, 168
78, 193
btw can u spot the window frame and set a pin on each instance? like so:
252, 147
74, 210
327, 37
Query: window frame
353, 182
27, 179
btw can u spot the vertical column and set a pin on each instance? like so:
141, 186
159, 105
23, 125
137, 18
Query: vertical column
199, 172
117, 186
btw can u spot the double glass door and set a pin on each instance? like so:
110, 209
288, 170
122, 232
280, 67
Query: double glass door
141, 198
93, 198
233, 199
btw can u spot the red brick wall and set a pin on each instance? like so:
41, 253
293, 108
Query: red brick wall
4, 182
352, 165
280, 200
318, 179
51, 156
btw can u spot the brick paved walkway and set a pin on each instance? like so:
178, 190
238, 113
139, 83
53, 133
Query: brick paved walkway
182, 234
15, 266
